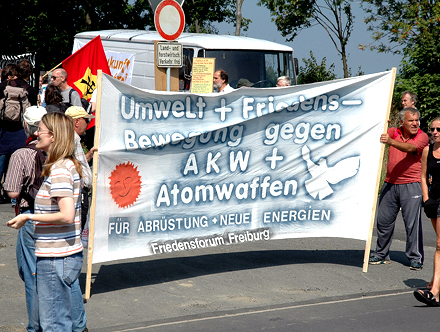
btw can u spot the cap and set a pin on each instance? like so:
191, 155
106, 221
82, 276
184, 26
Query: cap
77, 112
244, 82
33, 115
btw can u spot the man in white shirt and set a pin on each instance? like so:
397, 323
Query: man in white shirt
81, 120
221, 81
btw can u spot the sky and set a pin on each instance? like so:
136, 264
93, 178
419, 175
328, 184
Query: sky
316, 39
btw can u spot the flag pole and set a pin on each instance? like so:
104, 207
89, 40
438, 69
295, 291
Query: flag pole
52, 69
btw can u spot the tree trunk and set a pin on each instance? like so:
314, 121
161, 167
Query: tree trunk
344, 61
197, 26
238, 18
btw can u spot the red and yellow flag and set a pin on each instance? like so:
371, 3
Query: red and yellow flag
82, 67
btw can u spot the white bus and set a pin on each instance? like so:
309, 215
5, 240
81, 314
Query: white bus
259, 61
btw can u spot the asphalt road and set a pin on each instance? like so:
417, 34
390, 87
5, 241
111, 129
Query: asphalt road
311, 284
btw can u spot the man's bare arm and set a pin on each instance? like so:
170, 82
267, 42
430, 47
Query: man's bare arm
404, 147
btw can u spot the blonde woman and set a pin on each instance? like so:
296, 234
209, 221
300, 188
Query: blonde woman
57, 220
431, 198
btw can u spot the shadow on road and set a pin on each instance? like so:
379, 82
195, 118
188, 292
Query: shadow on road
149, 272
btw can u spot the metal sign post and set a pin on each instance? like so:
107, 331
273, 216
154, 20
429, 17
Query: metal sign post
169, 21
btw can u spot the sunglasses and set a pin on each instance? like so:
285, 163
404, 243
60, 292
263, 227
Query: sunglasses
435, 128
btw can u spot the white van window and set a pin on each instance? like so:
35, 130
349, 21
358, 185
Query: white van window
259, 67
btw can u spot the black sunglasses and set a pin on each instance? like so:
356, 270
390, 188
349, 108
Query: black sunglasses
436, 128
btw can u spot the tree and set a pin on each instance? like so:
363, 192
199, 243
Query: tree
335, 16
201, 14
238, 17
411, 28
314, 72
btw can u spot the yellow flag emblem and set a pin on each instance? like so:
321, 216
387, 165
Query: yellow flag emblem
86, 84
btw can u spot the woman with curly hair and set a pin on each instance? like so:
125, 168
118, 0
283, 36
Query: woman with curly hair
54, 99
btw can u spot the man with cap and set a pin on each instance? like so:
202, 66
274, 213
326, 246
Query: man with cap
244, 82
81, 120
21, 180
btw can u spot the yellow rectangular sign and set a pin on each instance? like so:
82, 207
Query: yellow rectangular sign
202, 75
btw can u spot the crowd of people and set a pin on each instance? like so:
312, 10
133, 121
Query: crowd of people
412, 184
46, 172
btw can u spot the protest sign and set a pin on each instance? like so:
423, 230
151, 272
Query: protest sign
202, 75
180, 171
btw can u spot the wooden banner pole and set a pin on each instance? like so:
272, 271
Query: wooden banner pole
95, 173
379, 170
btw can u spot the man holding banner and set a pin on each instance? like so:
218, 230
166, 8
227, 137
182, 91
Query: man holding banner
402, 190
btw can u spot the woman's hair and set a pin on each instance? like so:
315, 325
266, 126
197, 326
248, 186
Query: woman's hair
53, 95
436, 119
9, 70
63, 147
24, 69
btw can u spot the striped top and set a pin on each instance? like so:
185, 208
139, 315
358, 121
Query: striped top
21, 171
58, 240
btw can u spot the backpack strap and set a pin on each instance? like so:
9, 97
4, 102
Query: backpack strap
70, 96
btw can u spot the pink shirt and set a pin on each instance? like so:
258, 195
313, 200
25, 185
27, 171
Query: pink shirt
404, 167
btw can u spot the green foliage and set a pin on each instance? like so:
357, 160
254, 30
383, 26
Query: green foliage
314, 72
411, 28
335, 16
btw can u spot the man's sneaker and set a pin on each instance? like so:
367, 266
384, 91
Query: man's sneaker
374, 260
416, 266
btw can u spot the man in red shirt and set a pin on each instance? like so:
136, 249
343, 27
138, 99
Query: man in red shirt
402, 190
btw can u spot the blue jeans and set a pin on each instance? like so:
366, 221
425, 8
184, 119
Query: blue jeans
26, 263
58, 304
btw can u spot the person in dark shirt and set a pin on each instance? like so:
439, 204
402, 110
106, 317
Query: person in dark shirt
12, 134
54, 99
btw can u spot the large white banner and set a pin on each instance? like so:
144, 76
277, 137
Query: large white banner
180, 171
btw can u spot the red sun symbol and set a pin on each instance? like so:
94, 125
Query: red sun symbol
125, 184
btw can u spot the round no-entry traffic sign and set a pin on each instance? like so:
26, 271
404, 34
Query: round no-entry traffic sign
169, 19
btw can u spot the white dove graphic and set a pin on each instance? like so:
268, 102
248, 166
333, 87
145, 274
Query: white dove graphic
322, 175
